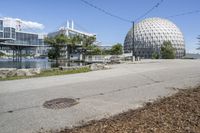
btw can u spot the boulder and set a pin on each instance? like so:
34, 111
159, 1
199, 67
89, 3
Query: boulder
96, 66
70, 68
35, 71
24, 72
10, 72
7, 72
107, 67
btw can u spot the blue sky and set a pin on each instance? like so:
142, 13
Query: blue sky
54, 13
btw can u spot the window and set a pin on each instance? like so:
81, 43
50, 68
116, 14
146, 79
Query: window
13, 33
7, 32
1, 24
27, 38
1, 34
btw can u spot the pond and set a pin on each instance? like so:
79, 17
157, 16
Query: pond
34, 63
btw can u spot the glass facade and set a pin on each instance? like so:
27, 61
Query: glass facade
30, 43
1, 25
13, 34
1, 34
10, 35
7, 33
27, 38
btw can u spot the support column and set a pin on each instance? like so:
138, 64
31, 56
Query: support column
13, 55
20, 55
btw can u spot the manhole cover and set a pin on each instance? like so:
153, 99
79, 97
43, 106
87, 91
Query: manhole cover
60, 103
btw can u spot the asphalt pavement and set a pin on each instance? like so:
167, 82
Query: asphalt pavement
99, 94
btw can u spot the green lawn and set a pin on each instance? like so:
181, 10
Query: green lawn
52, 72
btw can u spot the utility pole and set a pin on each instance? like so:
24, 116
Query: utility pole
133, 42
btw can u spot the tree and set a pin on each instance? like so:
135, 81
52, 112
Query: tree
2, 54
167, 51
61, 41
57, 43
93, 50
90, 49
71, 44
116, 49
105, 52
88, 40
155, 55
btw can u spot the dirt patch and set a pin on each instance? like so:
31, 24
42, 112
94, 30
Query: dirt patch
179, 113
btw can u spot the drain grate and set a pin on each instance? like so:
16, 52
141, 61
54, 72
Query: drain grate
60, 103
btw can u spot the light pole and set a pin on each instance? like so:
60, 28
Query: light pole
133, 42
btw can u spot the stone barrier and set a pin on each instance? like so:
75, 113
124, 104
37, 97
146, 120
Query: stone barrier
97, 66
93, 67
10, 72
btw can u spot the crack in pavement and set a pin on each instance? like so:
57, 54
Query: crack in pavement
147, 77
93, 95
118, 90
84, 97
19, 109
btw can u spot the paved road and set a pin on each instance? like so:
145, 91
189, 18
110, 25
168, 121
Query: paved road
102, 94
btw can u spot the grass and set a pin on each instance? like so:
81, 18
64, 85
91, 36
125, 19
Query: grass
52, 72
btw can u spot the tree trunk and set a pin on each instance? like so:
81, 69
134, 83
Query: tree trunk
57, 62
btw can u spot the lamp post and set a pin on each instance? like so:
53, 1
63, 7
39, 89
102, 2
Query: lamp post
133, 42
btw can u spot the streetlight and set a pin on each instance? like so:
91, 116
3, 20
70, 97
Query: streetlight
133, 42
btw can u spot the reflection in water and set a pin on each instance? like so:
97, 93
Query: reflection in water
35, 63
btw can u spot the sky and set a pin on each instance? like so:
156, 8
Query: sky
54, 13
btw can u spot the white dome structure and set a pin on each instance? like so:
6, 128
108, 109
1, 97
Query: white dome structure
149, 36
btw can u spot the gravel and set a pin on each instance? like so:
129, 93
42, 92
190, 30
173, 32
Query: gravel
178, 113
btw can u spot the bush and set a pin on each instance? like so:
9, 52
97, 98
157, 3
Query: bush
116, 49
167, 51
2, 54
93, 50
155, 55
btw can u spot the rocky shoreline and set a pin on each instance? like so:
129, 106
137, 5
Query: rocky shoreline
93, 67
12, 72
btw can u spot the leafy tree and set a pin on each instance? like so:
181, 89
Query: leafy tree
90, 48
105, 52
60, 41
93, 50
167, 51
2, 54
72, 42
155, 55
52, 54
57, 43
88, 40
116, 49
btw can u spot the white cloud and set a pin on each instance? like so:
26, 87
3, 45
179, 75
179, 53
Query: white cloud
22, 24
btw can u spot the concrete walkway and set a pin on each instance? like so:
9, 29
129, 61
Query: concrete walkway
100, 93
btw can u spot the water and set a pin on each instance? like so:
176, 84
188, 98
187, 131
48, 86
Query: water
34, 63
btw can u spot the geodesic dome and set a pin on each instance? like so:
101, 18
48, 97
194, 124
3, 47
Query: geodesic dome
150, 34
